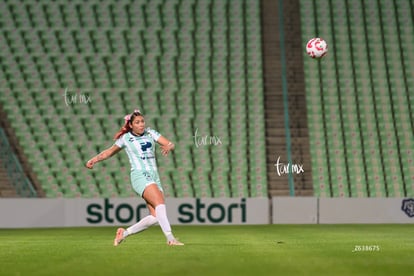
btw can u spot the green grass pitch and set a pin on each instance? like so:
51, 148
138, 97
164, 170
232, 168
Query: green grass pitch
212, 250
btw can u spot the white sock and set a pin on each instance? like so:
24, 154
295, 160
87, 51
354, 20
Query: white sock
161, 213
141, 225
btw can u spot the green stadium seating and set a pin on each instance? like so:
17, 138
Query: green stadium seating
72, 69
358, 97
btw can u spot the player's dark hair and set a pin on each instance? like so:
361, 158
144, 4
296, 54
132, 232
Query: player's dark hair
127, 125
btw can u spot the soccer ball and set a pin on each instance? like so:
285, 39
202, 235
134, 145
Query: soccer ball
316, 47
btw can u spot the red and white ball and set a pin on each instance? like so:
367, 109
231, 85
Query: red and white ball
316, 47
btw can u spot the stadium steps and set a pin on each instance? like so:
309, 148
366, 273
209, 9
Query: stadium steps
6, 122
275, 131
6, 189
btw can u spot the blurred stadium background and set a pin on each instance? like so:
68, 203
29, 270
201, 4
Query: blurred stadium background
70, 71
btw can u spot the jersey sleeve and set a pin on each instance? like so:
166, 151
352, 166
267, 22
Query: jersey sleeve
154, 134
120, 142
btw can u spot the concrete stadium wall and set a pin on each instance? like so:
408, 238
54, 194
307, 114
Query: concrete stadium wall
32, 213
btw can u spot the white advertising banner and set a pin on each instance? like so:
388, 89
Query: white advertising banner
31, 213
308, 210
294, 210
219, 211
366, 210
22, 213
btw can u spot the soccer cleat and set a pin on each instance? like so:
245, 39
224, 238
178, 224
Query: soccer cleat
174, 243
119, 237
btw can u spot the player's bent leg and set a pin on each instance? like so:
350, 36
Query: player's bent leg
141, 225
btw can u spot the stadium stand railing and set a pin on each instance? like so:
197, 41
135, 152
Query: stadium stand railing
20, 182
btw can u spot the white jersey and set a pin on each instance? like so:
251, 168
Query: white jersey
140, 149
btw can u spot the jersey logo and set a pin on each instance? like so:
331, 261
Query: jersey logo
147, 176
145, 146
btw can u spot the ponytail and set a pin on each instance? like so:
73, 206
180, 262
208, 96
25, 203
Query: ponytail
124, 129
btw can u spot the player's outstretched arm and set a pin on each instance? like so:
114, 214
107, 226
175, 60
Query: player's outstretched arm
166, 145
102, 156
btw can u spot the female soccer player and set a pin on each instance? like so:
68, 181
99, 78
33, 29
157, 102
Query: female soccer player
139, 143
